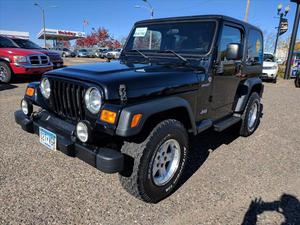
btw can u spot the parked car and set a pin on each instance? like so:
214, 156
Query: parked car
91, 53
55, 58
115, 54
98, 52
104, 52
134, 116
64, 52
295, 69
15, 60
82, 53
270, 68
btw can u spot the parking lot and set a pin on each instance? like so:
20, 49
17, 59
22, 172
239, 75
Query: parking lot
229, 179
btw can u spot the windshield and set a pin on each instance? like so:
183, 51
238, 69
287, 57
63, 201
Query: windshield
26, 44
83, 50
269, 58
182, 37
7, 43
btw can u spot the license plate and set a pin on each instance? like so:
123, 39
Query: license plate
58, 65
47, 138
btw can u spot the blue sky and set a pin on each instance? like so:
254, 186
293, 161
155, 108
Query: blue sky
119, 15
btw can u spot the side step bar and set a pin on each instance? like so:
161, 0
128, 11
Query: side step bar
224, 124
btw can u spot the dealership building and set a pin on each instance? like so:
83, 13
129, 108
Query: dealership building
60, 35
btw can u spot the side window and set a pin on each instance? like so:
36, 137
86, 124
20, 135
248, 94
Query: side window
229, 35
254, 48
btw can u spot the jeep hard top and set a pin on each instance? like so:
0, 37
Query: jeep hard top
176, 77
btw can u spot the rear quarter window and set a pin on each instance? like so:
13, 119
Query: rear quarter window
254, 48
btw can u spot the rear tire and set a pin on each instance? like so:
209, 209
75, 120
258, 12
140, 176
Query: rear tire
251, 115
5, 72
158, 162
297, 82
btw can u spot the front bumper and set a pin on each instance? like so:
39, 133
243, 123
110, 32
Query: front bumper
30, 69
269, 74
105, 159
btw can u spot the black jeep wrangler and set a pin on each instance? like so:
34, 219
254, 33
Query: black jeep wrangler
176, 77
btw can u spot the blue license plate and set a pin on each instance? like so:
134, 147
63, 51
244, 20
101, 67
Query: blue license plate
47, 138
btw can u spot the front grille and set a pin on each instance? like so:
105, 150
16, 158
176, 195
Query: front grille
38, 60
67, 99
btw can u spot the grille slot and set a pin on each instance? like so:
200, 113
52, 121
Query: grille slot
67, 100
38, 60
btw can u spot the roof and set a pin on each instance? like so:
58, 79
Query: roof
53, 34
14, 34
182, 18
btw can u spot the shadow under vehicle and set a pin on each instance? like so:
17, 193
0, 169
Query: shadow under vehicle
176, 78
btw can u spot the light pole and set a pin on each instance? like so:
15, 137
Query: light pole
44, 23
293, 40
282, 15
247, 11
151, 9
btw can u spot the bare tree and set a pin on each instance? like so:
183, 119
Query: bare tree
269, 41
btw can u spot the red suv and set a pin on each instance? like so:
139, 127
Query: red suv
55, 58
15, 60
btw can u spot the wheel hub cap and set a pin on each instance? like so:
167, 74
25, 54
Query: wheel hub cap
3, 73
252, 116
166, 162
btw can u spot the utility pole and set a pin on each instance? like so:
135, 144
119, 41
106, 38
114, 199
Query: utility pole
247, 11
293, 40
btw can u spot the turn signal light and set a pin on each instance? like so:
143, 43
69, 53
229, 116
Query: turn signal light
30, 91
108, 116
135, 120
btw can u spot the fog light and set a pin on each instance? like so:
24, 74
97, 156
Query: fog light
26, 107
82, 132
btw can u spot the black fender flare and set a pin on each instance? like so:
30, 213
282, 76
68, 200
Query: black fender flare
148, 109
245, 89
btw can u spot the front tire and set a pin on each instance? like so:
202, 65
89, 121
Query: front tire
158, 162
251, 115
5, 73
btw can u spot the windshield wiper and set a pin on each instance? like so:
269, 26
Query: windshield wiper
142, 54
177, 55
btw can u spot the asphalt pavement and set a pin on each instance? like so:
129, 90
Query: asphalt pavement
229, 180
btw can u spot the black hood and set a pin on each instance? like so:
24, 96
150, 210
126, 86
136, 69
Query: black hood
141, 80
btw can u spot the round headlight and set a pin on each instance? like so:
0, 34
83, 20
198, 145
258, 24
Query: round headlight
82, 132
45, 88
26, 107
93, 100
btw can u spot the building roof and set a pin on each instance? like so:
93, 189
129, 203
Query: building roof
53, 34
14, 34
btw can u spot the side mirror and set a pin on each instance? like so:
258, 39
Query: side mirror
234, 51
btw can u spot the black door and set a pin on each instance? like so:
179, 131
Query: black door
226, 74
